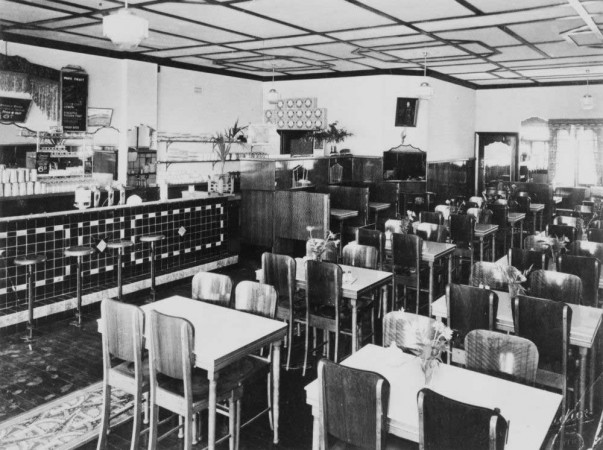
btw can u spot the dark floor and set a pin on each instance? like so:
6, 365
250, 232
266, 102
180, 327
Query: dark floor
64, 359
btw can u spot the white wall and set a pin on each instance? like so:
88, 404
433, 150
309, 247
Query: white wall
366, 106
504, 109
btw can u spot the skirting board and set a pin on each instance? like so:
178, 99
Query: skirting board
94, 297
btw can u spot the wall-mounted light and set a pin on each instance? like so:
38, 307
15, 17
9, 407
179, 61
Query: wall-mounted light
125, 29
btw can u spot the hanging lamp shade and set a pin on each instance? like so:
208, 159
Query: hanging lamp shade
425, 91
125, 29
272, 96
587, 102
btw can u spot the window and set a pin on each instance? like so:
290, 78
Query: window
577, 147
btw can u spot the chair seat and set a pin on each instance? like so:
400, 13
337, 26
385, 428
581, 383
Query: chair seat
152, 237
200, 385
27, 260
246, 369
127, 369
119, 243
79, 251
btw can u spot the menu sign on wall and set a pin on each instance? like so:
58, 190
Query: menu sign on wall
74, 99
42, 162
14, 109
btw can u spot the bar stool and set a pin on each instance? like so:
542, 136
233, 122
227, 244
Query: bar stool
79, 252
152, 239
30, 261
120, 245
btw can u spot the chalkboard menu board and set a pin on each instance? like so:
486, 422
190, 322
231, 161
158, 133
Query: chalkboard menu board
74, 99
14, 109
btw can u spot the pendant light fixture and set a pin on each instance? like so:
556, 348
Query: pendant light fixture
587, 101
425, 91
272, 93
125, 29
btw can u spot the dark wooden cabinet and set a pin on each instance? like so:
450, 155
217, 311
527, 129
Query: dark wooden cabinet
450, 179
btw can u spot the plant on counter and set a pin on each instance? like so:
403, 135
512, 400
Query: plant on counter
222, 143
333, 133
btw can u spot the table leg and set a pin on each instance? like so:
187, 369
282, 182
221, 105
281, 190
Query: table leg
376, 218
340, 239
583, 352
593, 359
534, 222
521, 234
481, 248
430, 288
276, 380
384, 300
541, 213
211, 412
315, 432
494, 247
354, 325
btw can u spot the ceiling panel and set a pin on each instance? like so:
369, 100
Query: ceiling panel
237, 20
415, 10
317, 15
475, 41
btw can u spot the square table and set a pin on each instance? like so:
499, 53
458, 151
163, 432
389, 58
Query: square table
363, 282
223, 336
537, 209
585, 326
529, 410
482, 231
513, 219
376, 207
341, 215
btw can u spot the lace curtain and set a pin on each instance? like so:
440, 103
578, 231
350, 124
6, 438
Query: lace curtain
580, 142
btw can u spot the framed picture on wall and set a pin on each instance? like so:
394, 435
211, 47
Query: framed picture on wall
406, 112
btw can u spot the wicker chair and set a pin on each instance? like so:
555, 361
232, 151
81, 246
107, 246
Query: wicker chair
212, 288
445, 423
557, 286
400, 328
501, 355
488, 274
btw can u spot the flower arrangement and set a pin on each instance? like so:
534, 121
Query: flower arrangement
222, 142
431, 343
317, 246
515, 278
332, 133
555, 244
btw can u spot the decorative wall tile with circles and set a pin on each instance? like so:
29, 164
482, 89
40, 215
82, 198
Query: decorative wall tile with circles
296, 119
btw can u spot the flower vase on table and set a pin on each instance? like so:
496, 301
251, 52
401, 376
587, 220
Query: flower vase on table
432, 342
317, 248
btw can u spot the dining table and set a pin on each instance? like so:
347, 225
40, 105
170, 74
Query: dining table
537, 210
586, 322
530, 411
341, 215
376, 207
482, 231
513, 219
223, 336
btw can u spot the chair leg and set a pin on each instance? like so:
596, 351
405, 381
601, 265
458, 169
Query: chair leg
137, 419
153, 427
189, 421
326, 344
289, 343
373, 325
195, 425
102, 440
145, 398
336, 357
269, 400
232, 422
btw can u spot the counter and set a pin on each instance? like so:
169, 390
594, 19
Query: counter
197, 238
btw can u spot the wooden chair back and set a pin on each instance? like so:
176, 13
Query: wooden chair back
323, 284
444, 209
374, 238
358, 255
500, 216
523, 204
122, 331
447, 423
256, 298
501, 354
212, 288
279, 271
469, 308
597, 223
462, 229
355, 416
588, 269
477, 200
475, 212
432, 232
435, 217
557, 286
535, 243
586, 248
489, 274
568, 231
594, 235
524, 259
406, 251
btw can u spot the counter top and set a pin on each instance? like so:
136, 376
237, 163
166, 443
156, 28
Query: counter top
114, 207
300, 157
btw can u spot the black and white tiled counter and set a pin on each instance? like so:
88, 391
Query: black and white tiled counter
196, 233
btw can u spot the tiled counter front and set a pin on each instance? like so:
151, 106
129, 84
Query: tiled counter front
196, 233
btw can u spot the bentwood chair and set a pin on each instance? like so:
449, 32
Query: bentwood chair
279, 271
501, 355
469, 308
435, 217
431, 232
177, 386
122, 328
351, 417
374, 238
500, 217
594, 235
526, 259
488, 274
557, 286
588, 269
445, 423
547, 324
359, 255
212, 288
406, 266
325, 309
462, 233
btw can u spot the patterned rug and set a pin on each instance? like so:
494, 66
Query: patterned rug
64, 423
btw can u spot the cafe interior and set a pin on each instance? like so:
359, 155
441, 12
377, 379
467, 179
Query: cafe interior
265, 224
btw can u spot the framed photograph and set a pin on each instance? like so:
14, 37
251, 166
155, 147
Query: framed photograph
99, 117
406, 112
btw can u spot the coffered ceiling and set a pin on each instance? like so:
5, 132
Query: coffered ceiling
477, 43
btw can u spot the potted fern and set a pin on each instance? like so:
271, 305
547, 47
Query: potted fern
222, 145
333, 134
